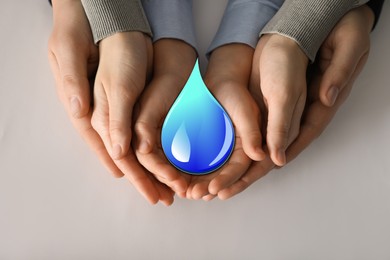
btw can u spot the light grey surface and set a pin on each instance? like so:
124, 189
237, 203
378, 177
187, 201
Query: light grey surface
58, 202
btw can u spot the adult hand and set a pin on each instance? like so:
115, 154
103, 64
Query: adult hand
346, 49
74, 59
342, 58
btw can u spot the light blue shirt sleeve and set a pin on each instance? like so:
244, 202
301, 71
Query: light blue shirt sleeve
171, 19
243, 20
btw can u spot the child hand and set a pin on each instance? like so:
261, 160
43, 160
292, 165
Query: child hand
345, 50
173, 63
282, 71
227, 78
125, 60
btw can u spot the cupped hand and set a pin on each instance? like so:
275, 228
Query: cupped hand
341, 59
227, 77
281, 66
344, 52
173, 63
74, 60
125, 64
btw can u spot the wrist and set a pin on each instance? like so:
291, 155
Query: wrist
288, 46
369, 16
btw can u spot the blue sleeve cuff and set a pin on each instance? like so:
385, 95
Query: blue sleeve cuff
171, 19
242, 22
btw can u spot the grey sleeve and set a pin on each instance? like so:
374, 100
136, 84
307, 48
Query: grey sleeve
171, 19
309, 22
107, 17
243, 20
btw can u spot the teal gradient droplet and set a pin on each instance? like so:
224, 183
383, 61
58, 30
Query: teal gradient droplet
197, 135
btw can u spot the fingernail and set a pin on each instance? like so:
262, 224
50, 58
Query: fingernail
261, 153
116, 152
176, 188
144, 147
282, 157
75, 106
332, 94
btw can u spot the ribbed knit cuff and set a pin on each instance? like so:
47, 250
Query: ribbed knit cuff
171, 19
308, 22
107, 17
243, 21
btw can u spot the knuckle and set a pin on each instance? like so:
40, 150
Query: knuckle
314, 130
140, 127
70, 81
281, 129
96, 123
119, 128
343, 73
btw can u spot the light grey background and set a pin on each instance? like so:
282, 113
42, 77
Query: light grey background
58, 202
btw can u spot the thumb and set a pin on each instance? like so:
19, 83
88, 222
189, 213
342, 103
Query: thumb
74, 85
120, 119
248, 128
337, 74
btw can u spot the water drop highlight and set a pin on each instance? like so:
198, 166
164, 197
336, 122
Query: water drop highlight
197, 136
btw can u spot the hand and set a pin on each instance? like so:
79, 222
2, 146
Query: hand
74, 59
342, 58
281, 66
346, 49
227, 77
125, 63
173, 63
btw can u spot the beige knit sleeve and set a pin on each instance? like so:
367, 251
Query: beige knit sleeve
309, 22
107, 17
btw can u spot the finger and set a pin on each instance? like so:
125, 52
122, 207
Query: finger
199, 190
166, 194
121, 101
92, 138
340, 69
148, 131
255, 172
146, 128
138, 176
181, 195
233, 171
296, 119
278, 128
283, 68
209, 197
84, 127
164, 172
129, 165
100, 117
248, 129
73, 68
156, 163
227, 76
318, 115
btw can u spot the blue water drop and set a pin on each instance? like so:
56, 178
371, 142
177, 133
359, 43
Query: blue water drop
197, 135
